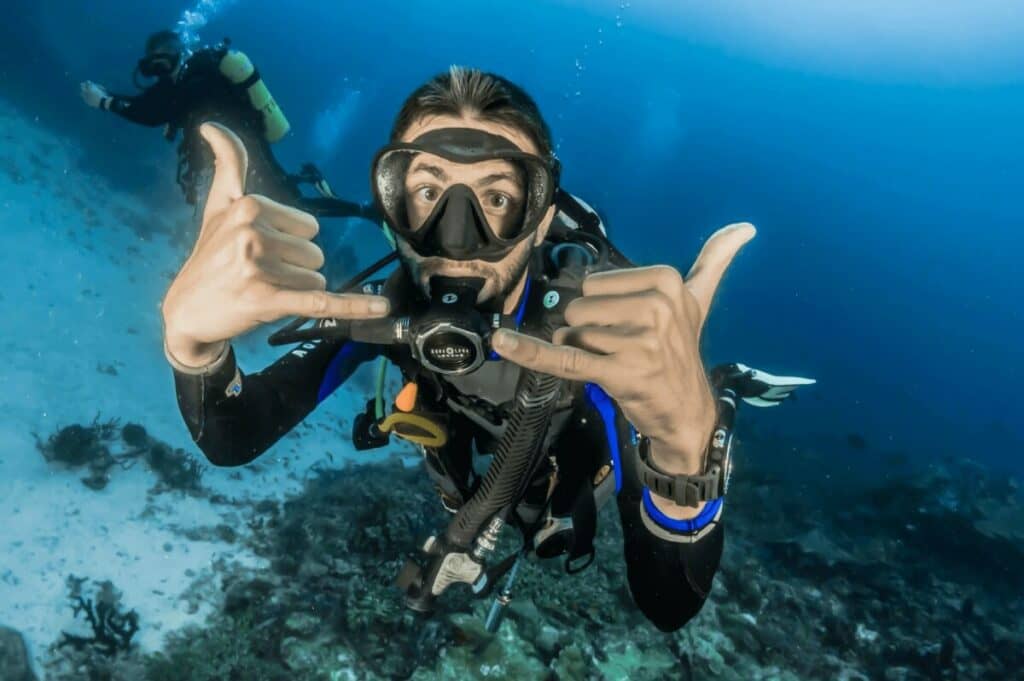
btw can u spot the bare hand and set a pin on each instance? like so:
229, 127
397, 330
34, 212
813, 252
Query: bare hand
253, 263
92, 94
636, 333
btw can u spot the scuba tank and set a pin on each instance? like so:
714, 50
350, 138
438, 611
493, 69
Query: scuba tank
236, 67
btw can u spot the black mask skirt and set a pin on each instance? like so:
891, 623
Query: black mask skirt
457, 227
158, 64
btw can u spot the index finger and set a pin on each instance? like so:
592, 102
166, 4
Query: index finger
324, 305
563, 361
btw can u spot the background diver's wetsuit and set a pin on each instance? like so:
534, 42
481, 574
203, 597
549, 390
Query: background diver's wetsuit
234, 417
201, 93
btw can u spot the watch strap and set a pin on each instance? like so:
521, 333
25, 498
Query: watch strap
684, 490
713, 482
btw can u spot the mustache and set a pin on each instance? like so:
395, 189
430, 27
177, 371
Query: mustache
434, 265
500, 276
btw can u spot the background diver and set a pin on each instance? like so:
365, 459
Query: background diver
520, 331
217, 84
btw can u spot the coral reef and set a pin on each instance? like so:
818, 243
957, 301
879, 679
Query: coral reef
105, 652
899, 580
112, 630
80, 446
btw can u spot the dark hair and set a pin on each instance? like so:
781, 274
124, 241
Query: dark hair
488, 96
164, 41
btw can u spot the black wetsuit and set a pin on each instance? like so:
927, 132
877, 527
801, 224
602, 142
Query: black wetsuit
234, 417
201, 93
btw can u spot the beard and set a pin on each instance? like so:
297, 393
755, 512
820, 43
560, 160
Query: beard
499, 277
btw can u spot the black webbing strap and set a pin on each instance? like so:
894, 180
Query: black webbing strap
685, 490
253, 78
690, 490
495, 573
584, 527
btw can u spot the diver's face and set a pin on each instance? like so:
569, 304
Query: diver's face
163, 63
500, 188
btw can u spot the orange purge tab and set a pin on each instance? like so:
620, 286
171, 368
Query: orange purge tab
406, 400
417, 428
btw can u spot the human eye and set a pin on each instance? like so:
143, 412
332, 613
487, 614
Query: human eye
498, 201
427, 193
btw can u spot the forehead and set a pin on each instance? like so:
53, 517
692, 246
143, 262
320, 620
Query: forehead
428, 123
495, 166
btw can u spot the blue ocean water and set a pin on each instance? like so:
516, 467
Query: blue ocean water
878, 154
879, 149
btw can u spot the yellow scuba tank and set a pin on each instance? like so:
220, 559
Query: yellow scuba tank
237, 68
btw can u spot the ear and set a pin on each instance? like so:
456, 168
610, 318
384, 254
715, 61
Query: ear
544, 226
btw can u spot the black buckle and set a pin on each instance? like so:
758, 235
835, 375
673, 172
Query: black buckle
365, 433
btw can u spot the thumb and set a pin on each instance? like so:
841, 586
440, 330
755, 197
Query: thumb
715, 257
231, 162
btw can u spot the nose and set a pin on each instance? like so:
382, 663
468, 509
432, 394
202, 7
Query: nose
460, 226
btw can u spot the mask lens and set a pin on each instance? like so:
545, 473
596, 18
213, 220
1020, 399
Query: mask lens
511, 193
462, 193
158, 64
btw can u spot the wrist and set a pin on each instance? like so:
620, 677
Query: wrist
682, 452
675, 464
678, 476
188, 355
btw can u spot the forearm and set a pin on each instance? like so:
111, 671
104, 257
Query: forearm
235, 417
670, 562
149, 111
670, 573
232, 418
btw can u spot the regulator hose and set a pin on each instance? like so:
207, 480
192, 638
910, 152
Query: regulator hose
515, 456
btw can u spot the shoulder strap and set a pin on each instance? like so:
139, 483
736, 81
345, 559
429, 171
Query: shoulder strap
588, 220
590, 223
201, 62
581, 551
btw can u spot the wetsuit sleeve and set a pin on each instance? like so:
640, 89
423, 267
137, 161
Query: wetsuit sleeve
154, 106
234, 417
670, 564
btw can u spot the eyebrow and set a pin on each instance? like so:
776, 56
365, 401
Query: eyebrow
436, 171
498, 177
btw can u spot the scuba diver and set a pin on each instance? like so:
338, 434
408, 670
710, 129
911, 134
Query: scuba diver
218, 84
522, 334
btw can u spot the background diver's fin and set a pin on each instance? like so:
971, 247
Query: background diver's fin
757, 387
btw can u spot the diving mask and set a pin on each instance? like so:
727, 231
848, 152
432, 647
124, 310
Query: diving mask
158, 64
471, 220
